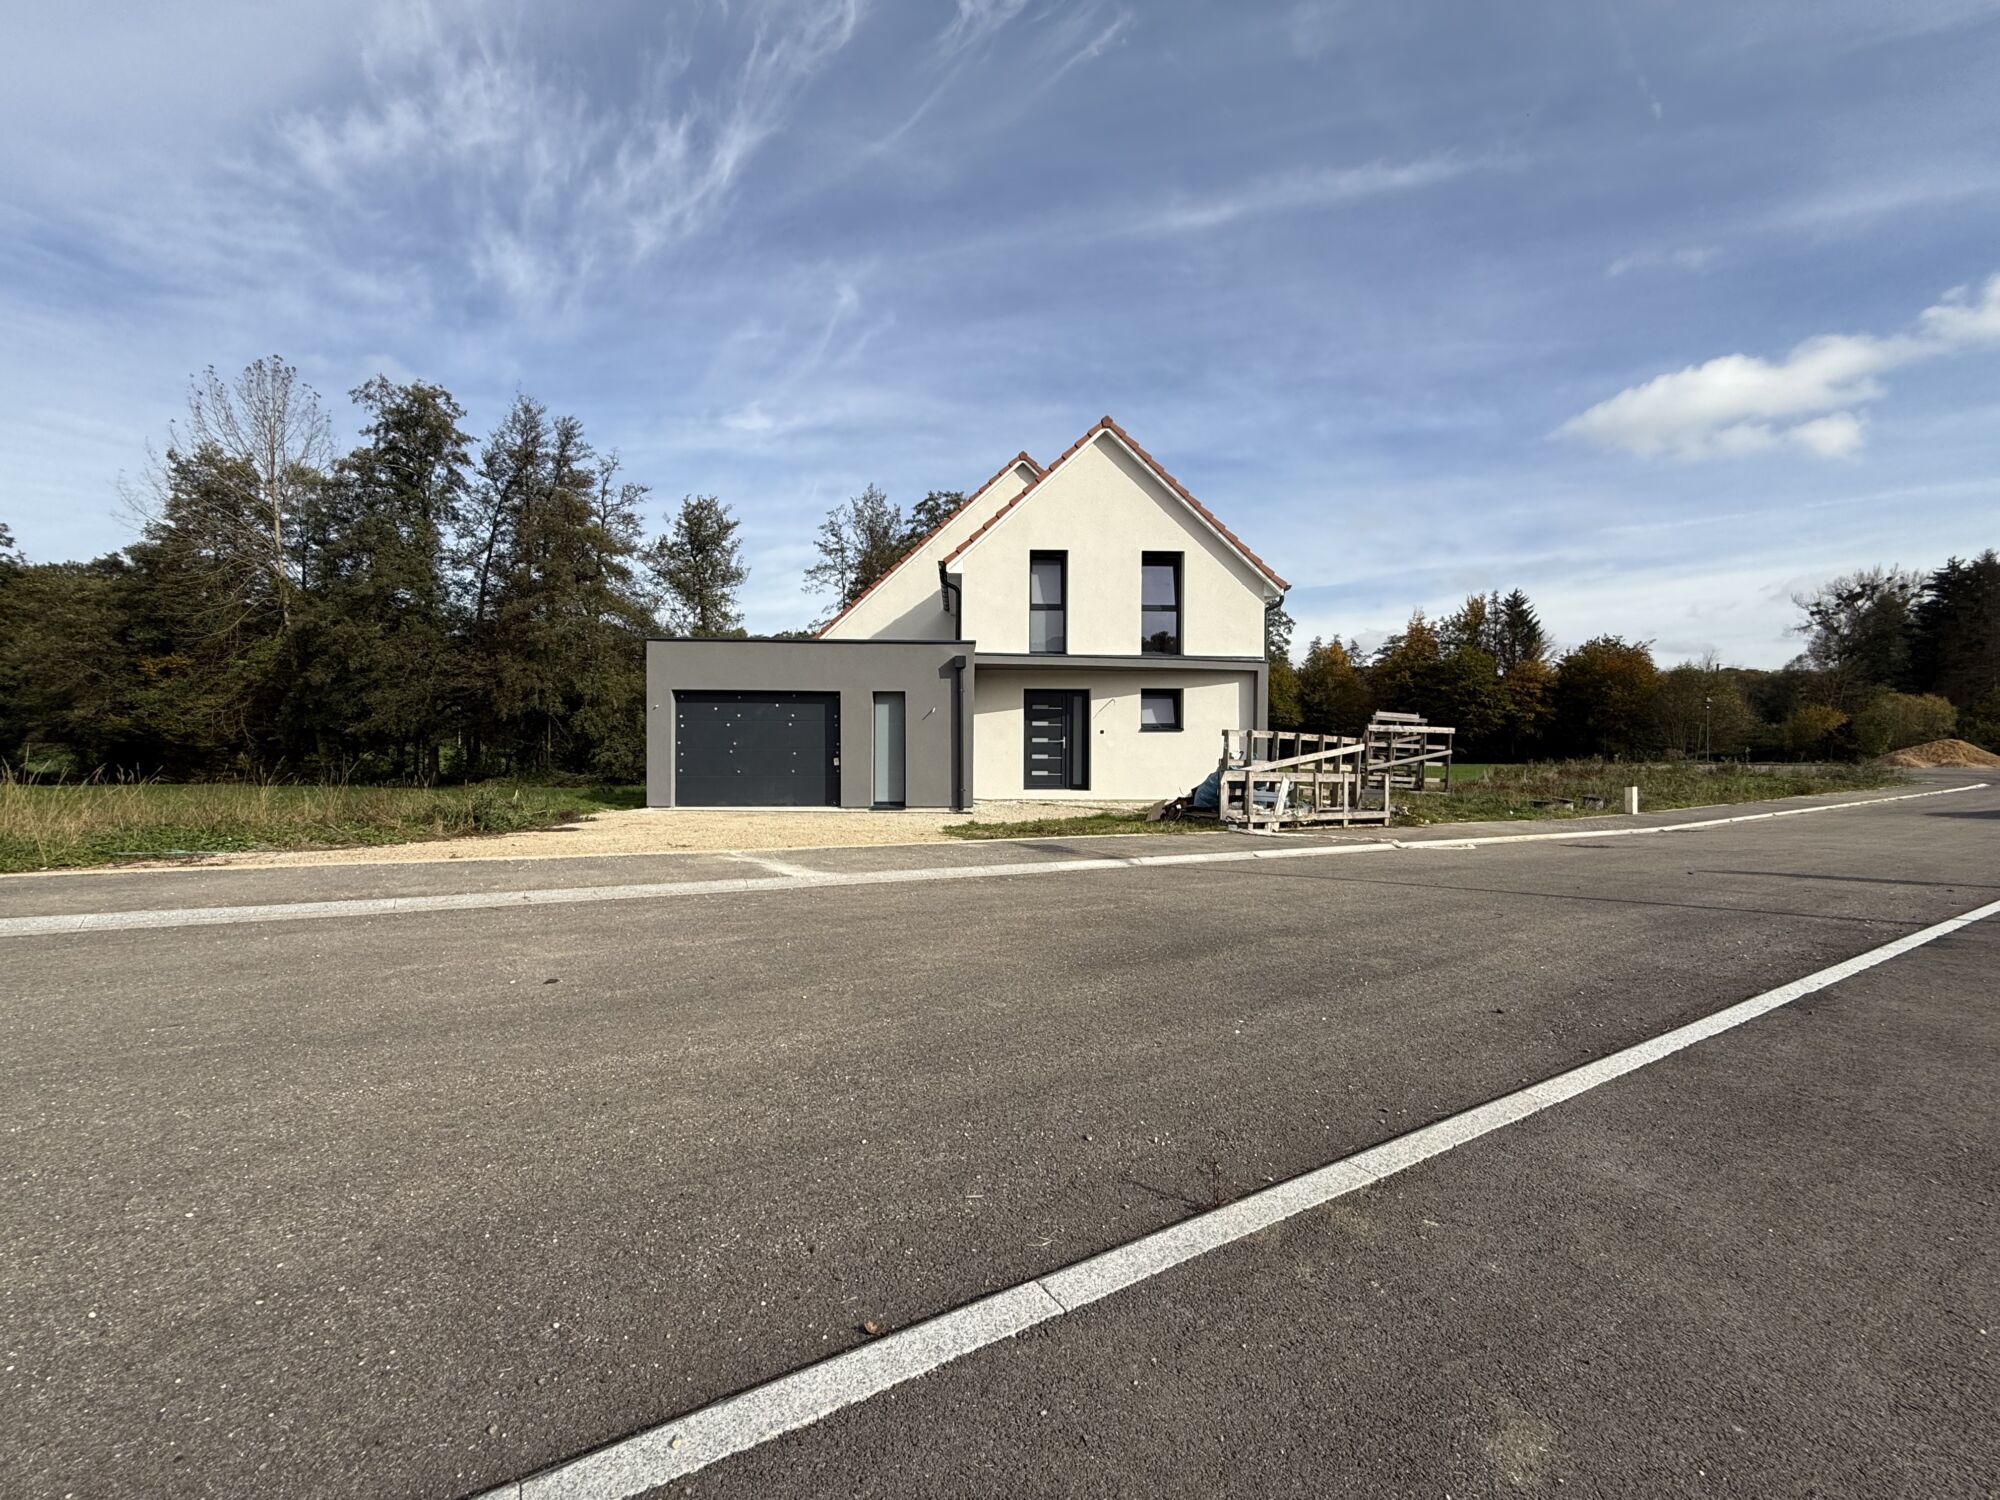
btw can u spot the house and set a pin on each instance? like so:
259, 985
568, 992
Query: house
1077, 632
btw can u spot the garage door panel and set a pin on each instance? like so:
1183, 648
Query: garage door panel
757, 749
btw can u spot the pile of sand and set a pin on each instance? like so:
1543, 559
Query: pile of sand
1940, 753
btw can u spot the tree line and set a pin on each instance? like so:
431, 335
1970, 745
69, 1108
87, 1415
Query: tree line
426, 605
1891, 658
421, 606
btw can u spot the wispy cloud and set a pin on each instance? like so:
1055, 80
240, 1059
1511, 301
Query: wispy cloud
540, 180
1301, 189
976, 21
1812, 399
1683, 258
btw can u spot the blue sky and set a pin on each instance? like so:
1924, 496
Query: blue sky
1660, 311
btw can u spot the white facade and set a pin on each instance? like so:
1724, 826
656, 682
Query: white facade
1102, 508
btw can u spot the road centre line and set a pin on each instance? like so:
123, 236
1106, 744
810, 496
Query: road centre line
301, 911
681, 1446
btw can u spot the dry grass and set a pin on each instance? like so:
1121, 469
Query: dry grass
75, 824
1538, 790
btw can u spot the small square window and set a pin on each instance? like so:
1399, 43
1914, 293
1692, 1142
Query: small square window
1159, 710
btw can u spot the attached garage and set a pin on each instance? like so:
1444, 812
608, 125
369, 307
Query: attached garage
743, 749
763, 723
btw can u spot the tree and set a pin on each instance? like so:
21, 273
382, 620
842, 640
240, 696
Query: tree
375, 650
11, 557
1474, 624
270, 443
1698, 710
1405, 667
1955, 631
698, 566
558, 619
1518, 634
1282, 678
1889, 721
1858, 631
1603, 698
1810, 727
858, 542
1332, 697
930, 513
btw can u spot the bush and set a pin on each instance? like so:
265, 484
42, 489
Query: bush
1889, 721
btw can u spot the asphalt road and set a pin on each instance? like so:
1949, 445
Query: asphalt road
411, 1204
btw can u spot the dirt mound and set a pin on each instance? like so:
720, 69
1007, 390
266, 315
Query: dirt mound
1934, 753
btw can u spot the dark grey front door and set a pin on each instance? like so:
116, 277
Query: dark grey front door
1055, 751
757, 749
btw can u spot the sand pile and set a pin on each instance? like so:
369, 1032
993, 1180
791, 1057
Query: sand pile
1934, 753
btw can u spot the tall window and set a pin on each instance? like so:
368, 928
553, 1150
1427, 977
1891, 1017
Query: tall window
1048, 592
1160, 603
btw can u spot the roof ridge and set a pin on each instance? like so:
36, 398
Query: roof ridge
1106, 424
919, 544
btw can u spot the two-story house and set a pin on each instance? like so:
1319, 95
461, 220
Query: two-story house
1081, 631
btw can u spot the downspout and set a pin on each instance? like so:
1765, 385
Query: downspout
953, 587
958, 800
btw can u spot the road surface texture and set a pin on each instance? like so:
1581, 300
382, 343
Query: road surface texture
412, 1203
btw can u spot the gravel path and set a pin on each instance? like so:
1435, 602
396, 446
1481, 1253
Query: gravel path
662, 830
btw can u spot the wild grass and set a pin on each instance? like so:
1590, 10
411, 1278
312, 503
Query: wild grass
1495, 793
70, 825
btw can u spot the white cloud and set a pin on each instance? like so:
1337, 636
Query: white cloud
1811, 399
1318, 187
1686, 258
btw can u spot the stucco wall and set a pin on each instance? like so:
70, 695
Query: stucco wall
857, 670
908, 605
1125, 764
1104, 509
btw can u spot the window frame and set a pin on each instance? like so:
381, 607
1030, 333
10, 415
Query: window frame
1175, 560
1178, 696
1059, 610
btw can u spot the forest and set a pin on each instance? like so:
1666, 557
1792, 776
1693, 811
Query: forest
426, 607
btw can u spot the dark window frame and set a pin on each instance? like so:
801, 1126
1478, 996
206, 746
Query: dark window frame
1178, 696
1149, 612
1060, 610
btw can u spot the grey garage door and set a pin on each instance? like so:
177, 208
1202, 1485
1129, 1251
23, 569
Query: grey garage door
757, 749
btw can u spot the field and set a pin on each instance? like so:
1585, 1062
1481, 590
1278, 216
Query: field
68, 826
1492, 793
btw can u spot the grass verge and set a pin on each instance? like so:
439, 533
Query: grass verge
1499, 793
75, 825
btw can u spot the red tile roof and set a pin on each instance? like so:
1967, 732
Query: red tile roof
1014, 462
1107, 425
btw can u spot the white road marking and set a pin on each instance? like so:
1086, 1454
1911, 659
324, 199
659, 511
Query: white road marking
806, 879
674, 1449
775, 866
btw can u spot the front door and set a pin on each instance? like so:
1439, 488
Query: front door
1056, 751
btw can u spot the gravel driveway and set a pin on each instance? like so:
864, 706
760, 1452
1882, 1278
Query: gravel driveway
667, 830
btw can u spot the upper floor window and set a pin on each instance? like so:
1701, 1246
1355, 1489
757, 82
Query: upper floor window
1160, 603
1048, 596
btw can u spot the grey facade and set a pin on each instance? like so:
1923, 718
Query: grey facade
934, 677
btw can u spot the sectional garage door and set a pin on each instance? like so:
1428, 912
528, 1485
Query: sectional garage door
757, 749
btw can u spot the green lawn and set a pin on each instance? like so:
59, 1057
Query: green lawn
52, 827
1494, 793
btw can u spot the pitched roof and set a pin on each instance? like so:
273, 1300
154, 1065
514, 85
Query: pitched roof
889, 572
1105, 425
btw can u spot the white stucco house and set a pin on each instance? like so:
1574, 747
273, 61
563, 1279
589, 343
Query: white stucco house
1081, 631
